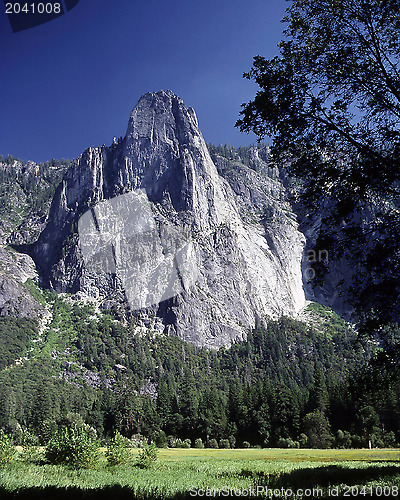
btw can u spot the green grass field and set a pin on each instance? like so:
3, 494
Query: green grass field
191, 473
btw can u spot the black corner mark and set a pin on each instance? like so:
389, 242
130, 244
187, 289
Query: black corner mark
24, 15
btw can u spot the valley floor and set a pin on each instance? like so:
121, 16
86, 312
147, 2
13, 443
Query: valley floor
191, 473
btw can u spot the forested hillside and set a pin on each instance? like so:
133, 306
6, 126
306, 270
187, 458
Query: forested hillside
289, 384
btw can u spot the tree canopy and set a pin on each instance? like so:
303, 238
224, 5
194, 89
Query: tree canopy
331, 104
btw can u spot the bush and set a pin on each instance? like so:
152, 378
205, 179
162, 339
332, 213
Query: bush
171, 441
137, 441
224, 443
73, 447
30, 447
147, 456
357, 441
15, 431
72, 419
389, 440
47, 430
28, 439
7, 450
288, 443
75, 421
198, 443
178, 443
187, 443
213, 443
303, 439
117, 452
343, 439
246, 444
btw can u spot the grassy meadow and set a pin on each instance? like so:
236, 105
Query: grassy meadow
191, 473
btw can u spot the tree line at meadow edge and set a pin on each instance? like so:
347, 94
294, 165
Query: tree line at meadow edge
287, 385
331, 104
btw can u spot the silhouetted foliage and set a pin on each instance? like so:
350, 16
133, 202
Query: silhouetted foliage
331, 103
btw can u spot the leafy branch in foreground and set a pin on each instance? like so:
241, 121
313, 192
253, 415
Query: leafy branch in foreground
331, 103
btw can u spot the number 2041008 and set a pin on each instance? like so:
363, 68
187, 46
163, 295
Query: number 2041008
33, 8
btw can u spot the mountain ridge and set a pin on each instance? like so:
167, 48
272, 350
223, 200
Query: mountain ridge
254, 268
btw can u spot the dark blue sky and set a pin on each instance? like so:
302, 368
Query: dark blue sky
72, 83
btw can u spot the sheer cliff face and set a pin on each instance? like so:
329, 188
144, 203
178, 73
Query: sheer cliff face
151, 222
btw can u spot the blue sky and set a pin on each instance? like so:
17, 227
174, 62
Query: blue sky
72, 83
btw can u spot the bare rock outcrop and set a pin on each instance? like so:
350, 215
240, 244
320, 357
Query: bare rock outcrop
151, 221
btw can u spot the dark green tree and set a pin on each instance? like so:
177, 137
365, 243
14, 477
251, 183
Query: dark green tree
317, 430
189, 402
129, 412
331, 103
212, 415
319, 397
286, 418
368, 425
164, 404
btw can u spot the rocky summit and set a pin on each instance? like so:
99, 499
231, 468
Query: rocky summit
193, 247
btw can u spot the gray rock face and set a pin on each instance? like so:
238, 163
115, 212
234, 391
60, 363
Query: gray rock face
15, 298
207, 253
